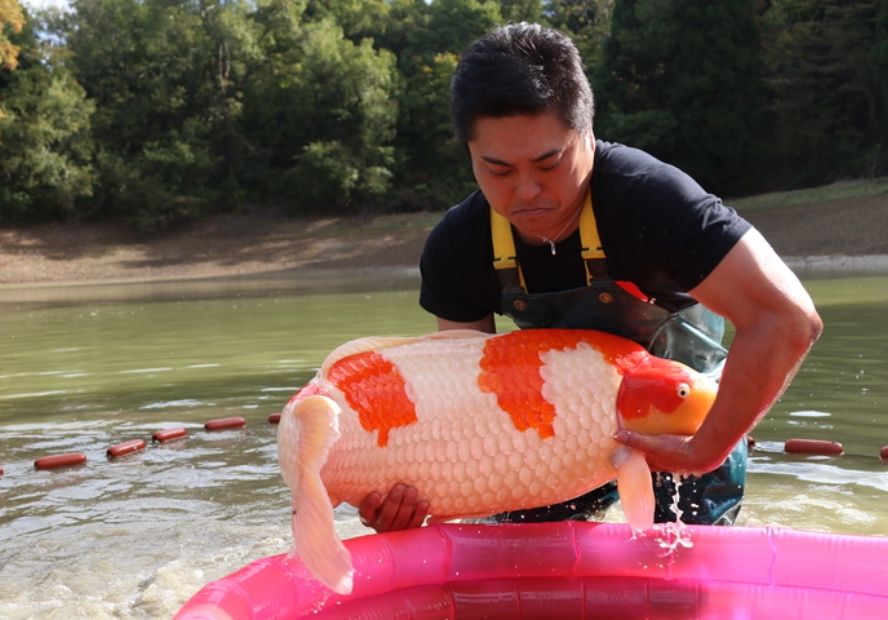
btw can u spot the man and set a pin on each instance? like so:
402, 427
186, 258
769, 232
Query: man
570, 231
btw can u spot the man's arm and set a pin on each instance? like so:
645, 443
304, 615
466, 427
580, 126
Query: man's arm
776, 325
402, 508
486, 325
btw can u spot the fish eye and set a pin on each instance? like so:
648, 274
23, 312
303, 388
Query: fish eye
683, 390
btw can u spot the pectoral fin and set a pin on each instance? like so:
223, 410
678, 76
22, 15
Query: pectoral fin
308, 428
636, 488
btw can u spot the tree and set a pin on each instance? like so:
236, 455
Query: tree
323, 110
359, 19
878, 75
825, 72
521, 10
11, 20
44, 136
230, 37
588, 24
165, 76
683, 81
451, 25
432, 171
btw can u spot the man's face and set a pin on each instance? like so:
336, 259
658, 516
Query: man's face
533, 170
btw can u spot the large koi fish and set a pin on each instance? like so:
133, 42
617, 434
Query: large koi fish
480, 424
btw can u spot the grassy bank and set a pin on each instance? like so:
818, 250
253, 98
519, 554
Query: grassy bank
834, 192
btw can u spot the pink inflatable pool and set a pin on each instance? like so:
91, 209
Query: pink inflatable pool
571, 570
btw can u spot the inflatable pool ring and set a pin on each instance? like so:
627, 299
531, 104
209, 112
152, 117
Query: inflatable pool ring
571, 570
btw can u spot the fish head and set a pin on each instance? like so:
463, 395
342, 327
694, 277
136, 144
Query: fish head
664, 397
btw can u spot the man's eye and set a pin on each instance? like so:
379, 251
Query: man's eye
550, 166
500, 173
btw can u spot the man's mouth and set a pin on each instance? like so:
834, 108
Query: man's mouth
531, 211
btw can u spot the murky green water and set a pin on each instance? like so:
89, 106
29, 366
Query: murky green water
82, 368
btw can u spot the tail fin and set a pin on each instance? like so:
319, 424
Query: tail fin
308, 428
636, 488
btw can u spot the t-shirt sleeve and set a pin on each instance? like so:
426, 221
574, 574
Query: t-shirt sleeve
455, 269
685, 232
717, 230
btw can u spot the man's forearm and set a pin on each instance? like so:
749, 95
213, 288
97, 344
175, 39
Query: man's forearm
762, 362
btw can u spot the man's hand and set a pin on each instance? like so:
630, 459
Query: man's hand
673, 453
775, 325
400, 510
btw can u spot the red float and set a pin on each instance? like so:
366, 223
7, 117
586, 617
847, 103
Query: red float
127, 447
813, 446
55, 461
883, 455
221, 424
169, 434
274, 418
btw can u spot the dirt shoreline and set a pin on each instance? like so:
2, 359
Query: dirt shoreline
840, 237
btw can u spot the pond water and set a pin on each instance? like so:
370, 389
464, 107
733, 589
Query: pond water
85, 367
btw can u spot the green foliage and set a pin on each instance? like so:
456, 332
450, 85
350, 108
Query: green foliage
587, 22
44, 123
521, 10
359, 19
155, 111
323, 177
12, 20
344, 99
432, 172
323, 104
452, 25
827, 78
144, 65
878, 80
683, 80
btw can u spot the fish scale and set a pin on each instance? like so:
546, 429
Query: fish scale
478, 423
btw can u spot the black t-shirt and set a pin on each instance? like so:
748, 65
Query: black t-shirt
658, 228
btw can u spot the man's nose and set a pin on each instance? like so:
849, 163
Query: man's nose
528, 188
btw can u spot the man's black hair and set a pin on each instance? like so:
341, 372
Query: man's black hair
520, 69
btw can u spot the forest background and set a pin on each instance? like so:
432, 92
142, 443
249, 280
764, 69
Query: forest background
156, 112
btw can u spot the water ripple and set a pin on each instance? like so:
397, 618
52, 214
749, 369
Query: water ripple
186, 402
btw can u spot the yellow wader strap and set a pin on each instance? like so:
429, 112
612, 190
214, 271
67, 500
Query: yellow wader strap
506, 258
504, 254
590, 242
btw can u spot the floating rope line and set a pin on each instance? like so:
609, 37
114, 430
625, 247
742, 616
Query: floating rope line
813, 447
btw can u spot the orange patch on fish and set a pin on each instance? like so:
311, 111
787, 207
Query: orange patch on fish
375, 389
510, 369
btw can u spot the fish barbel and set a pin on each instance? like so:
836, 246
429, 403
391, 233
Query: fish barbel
479, 424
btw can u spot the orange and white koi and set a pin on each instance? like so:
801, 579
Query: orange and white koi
480, 424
